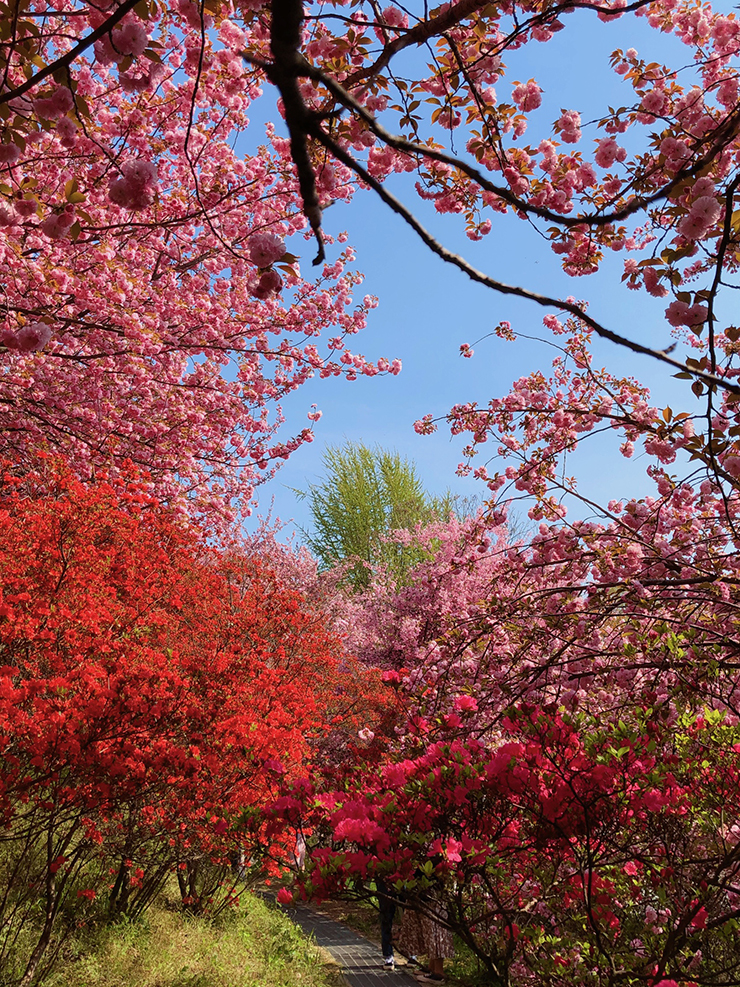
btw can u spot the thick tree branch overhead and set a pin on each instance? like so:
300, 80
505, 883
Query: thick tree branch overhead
289, 68
65, 60
506, 289
284, 72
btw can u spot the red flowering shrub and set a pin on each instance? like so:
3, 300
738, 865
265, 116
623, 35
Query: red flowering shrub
564, 782
572, 849
152, 691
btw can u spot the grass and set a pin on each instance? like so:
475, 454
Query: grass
254, 946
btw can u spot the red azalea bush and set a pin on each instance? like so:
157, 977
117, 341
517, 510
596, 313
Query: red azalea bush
568, 852
153, 691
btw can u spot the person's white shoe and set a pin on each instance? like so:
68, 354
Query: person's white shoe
389, 962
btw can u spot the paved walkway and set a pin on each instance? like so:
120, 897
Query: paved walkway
360, 960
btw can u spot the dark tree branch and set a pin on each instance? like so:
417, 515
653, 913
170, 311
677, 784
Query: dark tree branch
455, 13
284, 72
724, 134
506, 289
64, 61
721, 252
289, 66
417, 35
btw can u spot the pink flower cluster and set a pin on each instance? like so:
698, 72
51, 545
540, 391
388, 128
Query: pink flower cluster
126, 40
527, 96
57, 224
9, 154
608, 152
136, 188
360, 830
29, 338
569, 126
393, 17
54, 106
265, 248
67, 131
702, 216
681, 313
676, 153
465, 704
269, 283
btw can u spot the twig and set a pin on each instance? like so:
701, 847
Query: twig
506, 289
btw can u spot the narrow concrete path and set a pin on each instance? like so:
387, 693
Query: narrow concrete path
360, 960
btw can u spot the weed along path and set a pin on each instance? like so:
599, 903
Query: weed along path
360, 960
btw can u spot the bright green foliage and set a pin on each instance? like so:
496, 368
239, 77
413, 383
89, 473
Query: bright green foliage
365, 495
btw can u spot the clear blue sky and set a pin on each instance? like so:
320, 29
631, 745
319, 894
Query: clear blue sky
427, 309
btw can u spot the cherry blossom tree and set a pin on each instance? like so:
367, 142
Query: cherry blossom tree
664, 195
152, 309
116, 154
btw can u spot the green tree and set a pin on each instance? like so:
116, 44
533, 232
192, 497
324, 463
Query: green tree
366, 494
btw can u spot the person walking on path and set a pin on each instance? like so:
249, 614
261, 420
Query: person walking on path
387, 909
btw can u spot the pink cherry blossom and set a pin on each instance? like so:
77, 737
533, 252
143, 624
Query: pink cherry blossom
608, 152
8, 215
270, 283
681, 313
527, 96
703, 214
130, 37
57, 224
265, 249
67, 129
9, 154
32, 337
136, 188
394, 17
56, 105
569, 126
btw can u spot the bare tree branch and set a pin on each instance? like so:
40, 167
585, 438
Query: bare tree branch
284, 72
506, 289
723, 135
455, 13
64, 61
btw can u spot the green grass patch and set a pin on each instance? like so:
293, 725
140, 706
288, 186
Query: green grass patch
465, 968
252, 946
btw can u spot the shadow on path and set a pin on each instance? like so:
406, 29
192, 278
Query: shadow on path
360, 960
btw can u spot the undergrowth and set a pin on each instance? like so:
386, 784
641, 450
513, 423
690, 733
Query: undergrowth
251, 946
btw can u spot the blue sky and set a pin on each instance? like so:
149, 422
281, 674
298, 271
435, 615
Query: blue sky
427, 309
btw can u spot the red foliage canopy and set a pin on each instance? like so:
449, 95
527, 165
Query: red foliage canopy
152, 689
